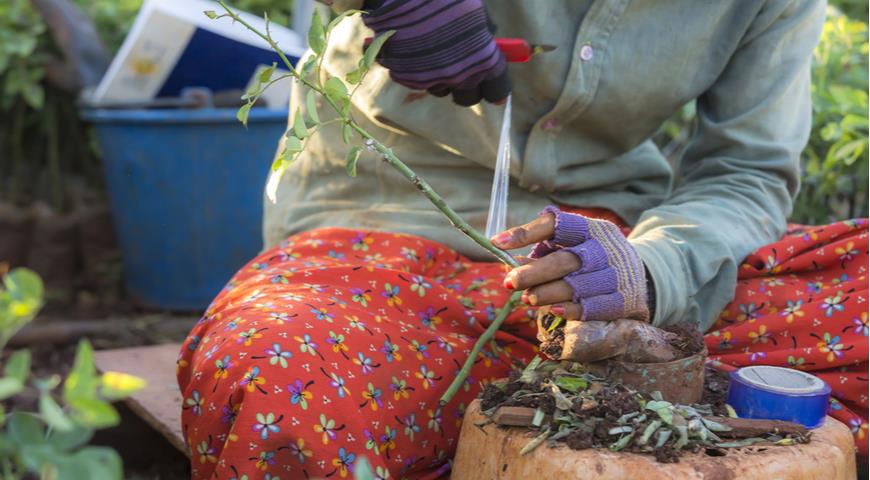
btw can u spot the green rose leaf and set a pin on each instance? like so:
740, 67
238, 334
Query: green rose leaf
311, 107
309, 64
346, 132
243, 113
336, 91
352, 159
266, 74
335, 21
371, 53
292, 145
316, 35
355, 76
211, 14
299, 128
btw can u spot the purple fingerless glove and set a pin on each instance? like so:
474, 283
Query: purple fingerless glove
441, 46
611, 281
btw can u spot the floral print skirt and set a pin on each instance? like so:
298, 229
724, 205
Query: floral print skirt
336, 345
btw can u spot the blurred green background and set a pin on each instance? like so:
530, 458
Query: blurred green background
47, 154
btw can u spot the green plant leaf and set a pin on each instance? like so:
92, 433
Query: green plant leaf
335, 21
242, 114
355, 76
75, 437
25, 291
97, 462
352, 159
25, 429
292, 145
372, 51
266, 74
18, 365
316, 35
299, 128
40, 458
309, 64
94, 413
346, 131
311, 107
82, 381
9, 386
336, 91
571, 384
211, 14
53, 414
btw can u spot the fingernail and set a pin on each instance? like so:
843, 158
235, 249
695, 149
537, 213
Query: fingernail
558, 311
508, 284
502, 238
525, 298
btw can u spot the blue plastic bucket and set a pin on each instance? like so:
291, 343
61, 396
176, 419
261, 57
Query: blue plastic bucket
186, 189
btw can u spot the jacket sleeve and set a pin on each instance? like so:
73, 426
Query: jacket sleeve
741, 170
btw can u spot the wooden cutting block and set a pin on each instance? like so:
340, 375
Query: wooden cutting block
159, 403
493, 453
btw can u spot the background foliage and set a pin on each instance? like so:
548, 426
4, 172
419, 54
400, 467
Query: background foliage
834, 164
43, 143
51, 441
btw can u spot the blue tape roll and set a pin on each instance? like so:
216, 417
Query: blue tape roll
776, 393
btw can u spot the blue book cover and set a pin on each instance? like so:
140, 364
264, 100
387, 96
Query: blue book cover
173, 45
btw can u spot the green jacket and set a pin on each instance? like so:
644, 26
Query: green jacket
582, 121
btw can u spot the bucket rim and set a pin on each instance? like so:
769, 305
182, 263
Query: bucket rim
165, 116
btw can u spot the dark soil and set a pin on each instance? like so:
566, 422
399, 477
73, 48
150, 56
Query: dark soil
667, 454
494, 396
716, 391
689, 339
580, 440
601, 412
614, 402
551, 347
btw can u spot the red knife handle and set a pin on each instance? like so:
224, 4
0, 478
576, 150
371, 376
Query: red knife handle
515, 50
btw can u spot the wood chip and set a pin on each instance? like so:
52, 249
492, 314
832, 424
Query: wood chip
751, 427
514, 416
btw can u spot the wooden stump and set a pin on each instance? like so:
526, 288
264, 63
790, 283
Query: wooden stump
493, 453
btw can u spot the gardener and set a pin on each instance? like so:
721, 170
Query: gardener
338, 340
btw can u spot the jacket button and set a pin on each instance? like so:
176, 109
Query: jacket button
586, 53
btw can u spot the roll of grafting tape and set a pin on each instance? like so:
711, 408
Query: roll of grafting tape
776, 393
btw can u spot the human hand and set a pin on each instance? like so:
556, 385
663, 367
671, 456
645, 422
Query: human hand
583, 268
442, 49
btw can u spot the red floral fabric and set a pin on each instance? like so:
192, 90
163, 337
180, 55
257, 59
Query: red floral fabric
802, 303
337, 344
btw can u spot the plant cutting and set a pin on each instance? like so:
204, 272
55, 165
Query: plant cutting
338, 93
